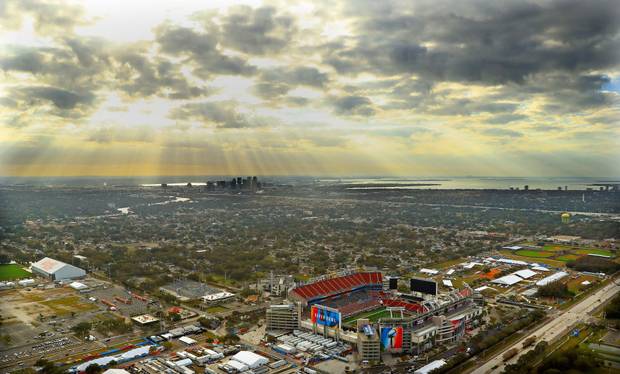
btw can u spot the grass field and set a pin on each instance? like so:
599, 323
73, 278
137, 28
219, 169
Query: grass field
373, 315
541, 260
12, 271
567, 258
216, 309
594, 252
537, 254
66, 305
447, 264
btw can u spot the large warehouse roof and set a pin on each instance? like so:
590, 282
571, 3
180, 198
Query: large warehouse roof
525, 273
49, 265
57, 269
508, 280
552, 278
251, 359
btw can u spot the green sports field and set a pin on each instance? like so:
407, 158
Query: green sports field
373, 315
593, 251
12, 272
528, 253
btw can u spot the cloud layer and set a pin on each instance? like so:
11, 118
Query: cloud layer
360, 87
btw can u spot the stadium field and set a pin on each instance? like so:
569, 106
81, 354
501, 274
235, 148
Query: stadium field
12, 271
373, 316
528, 253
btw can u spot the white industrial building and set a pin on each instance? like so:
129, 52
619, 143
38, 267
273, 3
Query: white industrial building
57, 270
552, 278
508, 280
249, 359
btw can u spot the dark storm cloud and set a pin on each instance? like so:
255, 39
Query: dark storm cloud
353, 105
71, 72
200, 50
62, 99
257, 31
514, 44
505, 118
140, 76
277, 82
223, 114
483, 42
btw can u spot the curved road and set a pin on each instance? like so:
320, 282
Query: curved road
560, 325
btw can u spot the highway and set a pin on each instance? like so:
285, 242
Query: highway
560, 325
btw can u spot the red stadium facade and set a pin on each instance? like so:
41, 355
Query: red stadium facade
315, 292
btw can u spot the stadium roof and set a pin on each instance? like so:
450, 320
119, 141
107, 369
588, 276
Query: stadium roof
525, 273
508, 280
552, 278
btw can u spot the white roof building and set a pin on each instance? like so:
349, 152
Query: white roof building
78, 286
430, 367
239, 366
508, 280
116, 371
217, 297
447, 283
525, 273
251, 359
187, 340
511, 261
57, 270
429, 271
540, 268
552, 278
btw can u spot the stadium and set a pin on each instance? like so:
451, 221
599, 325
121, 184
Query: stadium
354, 296
358, 307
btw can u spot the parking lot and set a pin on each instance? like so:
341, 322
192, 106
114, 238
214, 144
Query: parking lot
113, 293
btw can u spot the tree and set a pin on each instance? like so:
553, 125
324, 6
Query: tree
82, 329
93, 369
554, 289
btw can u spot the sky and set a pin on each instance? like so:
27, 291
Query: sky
353, 87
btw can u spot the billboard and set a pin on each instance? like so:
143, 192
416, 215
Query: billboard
427, 286
324, 317
392, 338
393, 283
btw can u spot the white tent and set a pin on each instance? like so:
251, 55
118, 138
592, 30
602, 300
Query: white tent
525, 273
251, 359
429, 271
430, 367
552, 278
508, 280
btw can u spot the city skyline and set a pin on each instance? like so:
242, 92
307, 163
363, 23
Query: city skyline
426, 88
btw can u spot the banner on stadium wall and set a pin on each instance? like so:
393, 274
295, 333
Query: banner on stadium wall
324, 317
392, 338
